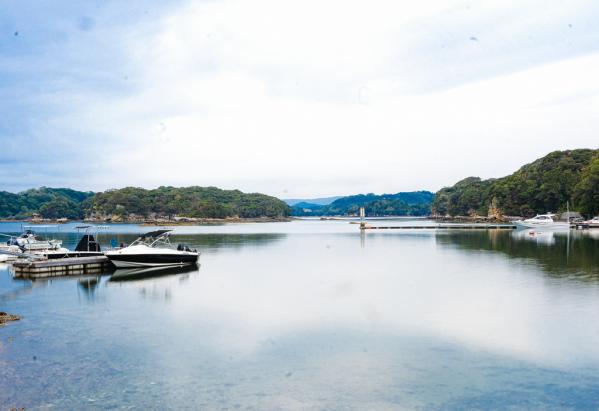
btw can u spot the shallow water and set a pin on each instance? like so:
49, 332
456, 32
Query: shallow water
314, 315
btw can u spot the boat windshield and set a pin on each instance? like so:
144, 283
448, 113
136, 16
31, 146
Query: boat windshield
154, 239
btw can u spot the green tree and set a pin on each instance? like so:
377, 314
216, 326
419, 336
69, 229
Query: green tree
586, 192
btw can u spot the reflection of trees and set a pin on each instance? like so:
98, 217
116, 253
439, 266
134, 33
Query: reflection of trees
557, 254
199, 241
217, 241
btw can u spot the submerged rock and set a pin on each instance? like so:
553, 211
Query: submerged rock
4, 318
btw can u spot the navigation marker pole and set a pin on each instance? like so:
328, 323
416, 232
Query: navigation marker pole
362, 218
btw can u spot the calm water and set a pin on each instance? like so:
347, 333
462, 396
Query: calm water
313, 315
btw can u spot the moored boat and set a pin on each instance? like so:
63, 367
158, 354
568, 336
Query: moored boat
592, 223
153, 249
30, 242
542, 221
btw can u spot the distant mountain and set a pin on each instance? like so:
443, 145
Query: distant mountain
309, 206
318, 201
416, 203
546, 184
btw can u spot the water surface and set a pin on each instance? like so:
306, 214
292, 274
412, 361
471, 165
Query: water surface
314, 315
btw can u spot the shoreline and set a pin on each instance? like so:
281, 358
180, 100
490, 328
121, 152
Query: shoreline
6, 318
150, 222
237, 220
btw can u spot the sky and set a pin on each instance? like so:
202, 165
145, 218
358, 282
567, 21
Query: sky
295, 99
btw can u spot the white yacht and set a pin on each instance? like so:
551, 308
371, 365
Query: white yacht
153, 249
541, 221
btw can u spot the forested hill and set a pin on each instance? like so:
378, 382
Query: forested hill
130, 202
545, 185
199, 202
48, 202
416, 203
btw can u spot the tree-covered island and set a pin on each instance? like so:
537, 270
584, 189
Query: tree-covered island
139, 204
545, 185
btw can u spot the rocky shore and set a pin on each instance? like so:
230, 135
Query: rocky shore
162, 222
469, 219
210, 221
4, 318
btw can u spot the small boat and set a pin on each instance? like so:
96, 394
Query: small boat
592, 223
153, 249
29, 242
541, 221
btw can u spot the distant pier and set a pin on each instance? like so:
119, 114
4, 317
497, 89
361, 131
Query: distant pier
448, 226
441, 227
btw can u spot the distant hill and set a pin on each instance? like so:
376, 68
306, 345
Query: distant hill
309, 206
318, 201
132, 202
47, 202
545, 185
198, 202
416, 203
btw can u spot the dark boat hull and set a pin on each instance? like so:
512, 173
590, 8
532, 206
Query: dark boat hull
153, 260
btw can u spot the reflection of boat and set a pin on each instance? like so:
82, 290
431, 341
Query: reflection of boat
543, 237
129, 274
153, 249
541, 221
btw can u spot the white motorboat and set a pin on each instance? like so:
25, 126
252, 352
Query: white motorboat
541, 221
29, 242
153, 249
592, 223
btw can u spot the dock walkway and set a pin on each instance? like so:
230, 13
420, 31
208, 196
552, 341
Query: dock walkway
442, 227
62, 266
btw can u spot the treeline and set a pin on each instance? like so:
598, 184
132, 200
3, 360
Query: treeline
545, 185
416, 203
198, 202
47, 202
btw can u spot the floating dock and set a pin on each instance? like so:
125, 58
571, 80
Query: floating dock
62, 266
441, 227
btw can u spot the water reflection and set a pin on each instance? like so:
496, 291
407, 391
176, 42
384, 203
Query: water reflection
139, 274
204, 242
317, 321
556, 253
89, 285
229, 242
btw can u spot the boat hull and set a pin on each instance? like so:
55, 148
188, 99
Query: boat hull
153, 260
547, 226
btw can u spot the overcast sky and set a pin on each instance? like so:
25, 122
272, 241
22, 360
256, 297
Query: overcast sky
291, 98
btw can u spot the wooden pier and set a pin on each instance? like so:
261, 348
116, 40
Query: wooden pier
62, 266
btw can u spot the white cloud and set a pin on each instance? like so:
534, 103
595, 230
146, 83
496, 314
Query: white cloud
313, 98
